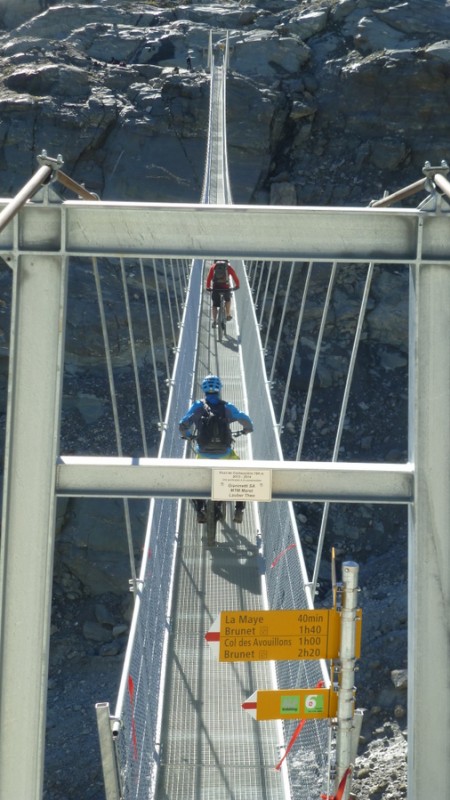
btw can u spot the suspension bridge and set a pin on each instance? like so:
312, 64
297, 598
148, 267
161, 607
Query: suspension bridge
177, 728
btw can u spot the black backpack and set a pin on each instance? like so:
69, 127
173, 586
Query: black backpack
221, 274
213, 429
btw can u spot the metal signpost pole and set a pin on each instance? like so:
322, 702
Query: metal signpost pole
345, 735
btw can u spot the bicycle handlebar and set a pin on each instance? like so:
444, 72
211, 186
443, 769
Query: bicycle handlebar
235, 434
228, 289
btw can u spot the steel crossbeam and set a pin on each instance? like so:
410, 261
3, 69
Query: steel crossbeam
178, 478
251, 232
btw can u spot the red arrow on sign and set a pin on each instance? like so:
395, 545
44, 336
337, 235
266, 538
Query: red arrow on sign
213, 636
251, 704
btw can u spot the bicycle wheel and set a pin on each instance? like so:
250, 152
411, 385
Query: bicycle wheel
221, 321
211, 522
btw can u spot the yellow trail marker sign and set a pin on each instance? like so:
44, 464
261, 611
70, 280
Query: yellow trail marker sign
292, 704
291, 635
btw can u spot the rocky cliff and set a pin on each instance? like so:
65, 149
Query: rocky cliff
330, 102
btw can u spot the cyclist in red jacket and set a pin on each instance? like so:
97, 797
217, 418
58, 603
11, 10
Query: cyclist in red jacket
219, 281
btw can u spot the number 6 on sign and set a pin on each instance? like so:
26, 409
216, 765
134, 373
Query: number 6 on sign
314, 702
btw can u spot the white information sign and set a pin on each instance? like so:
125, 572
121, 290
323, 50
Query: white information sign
242, 484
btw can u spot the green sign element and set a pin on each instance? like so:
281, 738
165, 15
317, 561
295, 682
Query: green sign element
289, 704
313, 703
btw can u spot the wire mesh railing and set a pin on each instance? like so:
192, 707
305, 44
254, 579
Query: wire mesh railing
138, 710
285, 571
125, 319
319, 385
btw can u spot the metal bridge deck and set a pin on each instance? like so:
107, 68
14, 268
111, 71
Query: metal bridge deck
211, 747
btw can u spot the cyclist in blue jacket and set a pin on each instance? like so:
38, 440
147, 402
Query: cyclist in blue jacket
217, 444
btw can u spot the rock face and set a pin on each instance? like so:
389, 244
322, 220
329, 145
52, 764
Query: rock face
330, 102
343, 98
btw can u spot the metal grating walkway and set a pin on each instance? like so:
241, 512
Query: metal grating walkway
210, 746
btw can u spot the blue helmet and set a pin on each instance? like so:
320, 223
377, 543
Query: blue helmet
211, 384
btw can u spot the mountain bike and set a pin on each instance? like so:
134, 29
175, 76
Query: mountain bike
222, 315
215, 510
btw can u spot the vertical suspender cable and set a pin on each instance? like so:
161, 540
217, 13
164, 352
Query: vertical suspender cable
262, 270
115, 411
175, 292
187, 266
133, 357
280, 327
294, 346
169, 306
181, 268
348, 383
272, 308
316, 360
152, 343
161, 318
266, 288
251, 272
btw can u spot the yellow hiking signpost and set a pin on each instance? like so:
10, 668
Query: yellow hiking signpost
301, 635
285, 635
292, 704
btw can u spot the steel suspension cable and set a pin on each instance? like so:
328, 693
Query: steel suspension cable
266, 289
280, 327
161, 318
342, 414
169, 305
112, 391
261, 275
272, 308
175, 293
206, 174
181, 268
133, 357
250, 269
316, 360
227, 188
254, 274
152, 343
185, 267
294, 346
178, 282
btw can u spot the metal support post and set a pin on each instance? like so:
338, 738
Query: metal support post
413, 188
429, 535
28, 519
107, 752
345, 748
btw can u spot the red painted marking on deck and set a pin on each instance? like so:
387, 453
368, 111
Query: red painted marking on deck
276, 560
